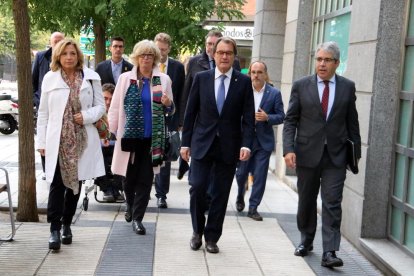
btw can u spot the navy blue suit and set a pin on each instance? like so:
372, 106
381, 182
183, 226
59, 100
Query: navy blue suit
175, 71
104, 69
215, 141
41, 66
263, 145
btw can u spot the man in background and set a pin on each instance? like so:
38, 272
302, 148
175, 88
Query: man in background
175, 70
109, 70
41, 66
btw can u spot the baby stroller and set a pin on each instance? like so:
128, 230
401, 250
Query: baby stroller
108, 182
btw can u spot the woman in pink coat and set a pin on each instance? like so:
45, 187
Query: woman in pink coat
142, 99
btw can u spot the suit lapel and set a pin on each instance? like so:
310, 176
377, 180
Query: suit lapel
109, 70
211, 95
266, 94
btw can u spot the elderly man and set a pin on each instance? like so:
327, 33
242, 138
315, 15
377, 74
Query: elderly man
218, 131
321, 117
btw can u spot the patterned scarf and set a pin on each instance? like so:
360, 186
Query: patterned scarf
73, 137
134, 111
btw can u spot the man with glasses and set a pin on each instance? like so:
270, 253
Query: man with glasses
109, 70
202, 62
218, 131
321, 116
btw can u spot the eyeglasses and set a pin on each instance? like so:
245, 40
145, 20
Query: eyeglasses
221, 53
149, 56
326, 60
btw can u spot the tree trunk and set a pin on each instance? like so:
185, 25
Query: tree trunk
100, 51
27, 206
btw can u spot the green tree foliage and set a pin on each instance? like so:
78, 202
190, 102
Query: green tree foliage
133, 19
7, 35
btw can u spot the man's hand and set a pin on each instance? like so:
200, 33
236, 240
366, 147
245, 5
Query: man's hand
261, 116
185, 154
290, 160
244, 154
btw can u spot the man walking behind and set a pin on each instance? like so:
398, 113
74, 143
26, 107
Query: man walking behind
269, 112
321, 116
175, 70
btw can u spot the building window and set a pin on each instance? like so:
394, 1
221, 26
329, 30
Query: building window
401, 222
331, 22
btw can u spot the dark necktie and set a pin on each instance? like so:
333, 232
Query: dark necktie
212, 64
221, 94
325, 99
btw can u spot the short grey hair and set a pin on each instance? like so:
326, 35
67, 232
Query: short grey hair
144, 47
331, 47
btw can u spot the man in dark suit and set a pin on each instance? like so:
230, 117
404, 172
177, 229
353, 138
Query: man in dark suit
218, 131
175, 70
109, 70
269, 112
41, 66
202, 62
321, 116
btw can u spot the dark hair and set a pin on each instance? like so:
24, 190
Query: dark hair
227, 40
109, 87
117, 38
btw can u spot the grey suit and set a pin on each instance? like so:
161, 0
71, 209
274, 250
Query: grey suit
319, 145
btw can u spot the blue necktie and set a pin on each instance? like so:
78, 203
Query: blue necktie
221, 95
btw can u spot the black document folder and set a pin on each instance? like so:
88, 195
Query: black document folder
352, 161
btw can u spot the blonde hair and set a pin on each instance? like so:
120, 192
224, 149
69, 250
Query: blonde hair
58, 51
145, 47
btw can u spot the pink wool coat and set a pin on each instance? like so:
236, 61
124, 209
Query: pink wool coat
116, 116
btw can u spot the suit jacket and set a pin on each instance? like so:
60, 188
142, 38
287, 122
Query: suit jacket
272, 104
235, 124
306, 130
175, 70
41, 66
104, 69
196, 64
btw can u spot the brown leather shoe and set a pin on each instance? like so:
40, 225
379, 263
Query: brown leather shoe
196, 241
212, 247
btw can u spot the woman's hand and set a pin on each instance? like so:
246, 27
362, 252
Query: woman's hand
165, 100
78, 118
41, 151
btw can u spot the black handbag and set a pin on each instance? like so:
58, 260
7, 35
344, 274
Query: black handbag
172, 146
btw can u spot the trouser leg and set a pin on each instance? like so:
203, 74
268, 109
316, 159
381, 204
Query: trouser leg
162, 181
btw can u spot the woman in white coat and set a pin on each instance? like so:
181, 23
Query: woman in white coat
142, 97
71, 102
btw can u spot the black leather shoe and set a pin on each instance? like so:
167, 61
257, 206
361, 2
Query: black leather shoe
196, 242
303, 250
182, 168
329, 259
138, 227
254, 214
212, 247
240, 204
66, 234
128, 214
54, 240
162, 203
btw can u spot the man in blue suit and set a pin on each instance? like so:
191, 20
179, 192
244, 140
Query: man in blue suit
269, 112
218, 131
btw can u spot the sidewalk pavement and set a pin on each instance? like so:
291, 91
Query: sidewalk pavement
104, 244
